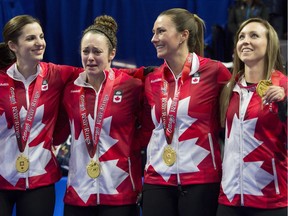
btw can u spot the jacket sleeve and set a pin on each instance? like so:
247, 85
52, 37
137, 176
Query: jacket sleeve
62, 126
140, 72
224, 74
146, 125
69, 73
282, 105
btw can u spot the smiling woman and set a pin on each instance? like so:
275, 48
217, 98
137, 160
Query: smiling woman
254, 178
183, 168
29, 104
30, 45
251, 47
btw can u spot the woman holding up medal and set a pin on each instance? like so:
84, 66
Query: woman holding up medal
102, 104
183, 169
253, 109
30, 94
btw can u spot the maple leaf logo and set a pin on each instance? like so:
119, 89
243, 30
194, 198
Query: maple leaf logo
82, 183
188, 162
38, 156
252, 174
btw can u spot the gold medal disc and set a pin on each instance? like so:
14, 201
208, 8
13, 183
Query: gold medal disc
93, 169
169, 156
262, 87
22, 164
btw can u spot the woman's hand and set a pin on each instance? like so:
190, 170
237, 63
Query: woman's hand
274, 94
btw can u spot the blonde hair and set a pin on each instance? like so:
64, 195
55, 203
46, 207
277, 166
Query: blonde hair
273, 61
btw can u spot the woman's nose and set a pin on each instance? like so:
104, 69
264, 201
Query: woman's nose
154, 38
39, 41
90, 56
246, 40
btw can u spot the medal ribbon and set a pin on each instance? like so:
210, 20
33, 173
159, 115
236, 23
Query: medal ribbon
91, 144
251, 88
22, 138
169, 121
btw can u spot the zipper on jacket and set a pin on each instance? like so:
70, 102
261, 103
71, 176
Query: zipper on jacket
212, 150
27, 182
97, 94
241, 164
26, 87
177, 157
241, 118
275, 176
130, 174
176, 129
27, 146
96, 157
26, 151
96, 182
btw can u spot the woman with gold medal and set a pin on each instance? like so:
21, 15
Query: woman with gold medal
183, 169
30, 96
254, 113
102, 105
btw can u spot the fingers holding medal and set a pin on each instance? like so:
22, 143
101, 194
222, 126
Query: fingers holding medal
262, 87
269, 92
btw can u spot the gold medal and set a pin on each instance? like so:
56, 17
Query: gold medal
93, 169
262, 87
169, 156
22, 164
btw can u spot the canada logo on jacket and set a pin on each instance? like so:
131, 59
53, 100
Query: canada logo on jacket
44, 86
195, 78
117, 98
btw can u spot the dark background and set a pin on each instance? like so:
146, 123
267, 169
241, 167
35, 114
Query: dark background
64, 20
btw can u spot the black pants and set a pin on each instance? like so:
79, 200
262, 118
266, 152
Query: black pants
35, 202
198, 200
246, 211
101, 210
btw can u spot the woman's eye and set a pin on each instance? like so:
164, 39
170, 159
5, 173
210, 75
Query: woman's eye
30, 38
241, 37
254, 36
97, 52
85, 52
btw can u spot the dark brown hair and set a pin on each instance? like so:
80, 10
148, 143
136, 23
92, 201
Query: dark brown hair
184, 20
13, 28
7, 57
107, 26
